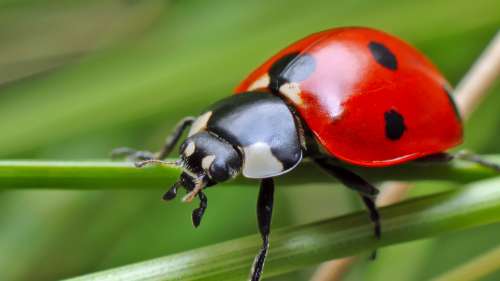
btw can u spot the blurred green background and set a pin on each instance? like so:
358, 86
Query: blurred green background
79, 78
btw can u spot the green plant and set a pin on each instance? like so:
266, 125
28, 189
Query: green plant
298, 247
145, 64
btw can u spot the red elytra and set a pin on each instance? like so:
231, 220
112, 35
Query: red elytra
358, 78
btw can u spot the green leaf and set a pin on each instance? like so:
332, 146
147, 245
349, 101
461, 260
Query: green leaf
293, 248
113, 175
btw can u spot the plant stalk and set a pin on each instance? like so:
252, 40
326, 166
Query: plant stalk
122, 175
294, 248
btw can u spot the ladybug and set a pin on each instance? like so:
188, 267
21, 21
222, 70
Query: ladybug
354, 95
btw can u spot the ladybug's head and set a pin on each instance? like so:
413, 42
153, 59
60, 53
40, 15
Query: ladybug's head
207, 160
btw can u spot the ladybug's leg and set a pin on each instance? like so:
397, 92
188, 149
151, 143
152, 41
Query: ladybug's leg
264, 214
172, 192
462, 155
471, 157
374, 217
365, 189
174, 137
441, 157
474, 158
348, 178
198, 212
131, 154
170, 142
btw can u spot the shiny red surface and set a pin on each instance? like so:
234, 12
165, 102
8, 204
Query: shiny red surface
344, 100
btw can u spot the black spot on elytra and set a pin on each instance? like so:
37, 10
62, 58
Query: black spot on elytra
383, 55
447, 89
394, 125
293, 67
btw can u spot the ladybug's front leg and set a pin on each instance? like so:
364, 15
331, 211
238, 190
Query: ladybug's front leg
264, 215
366, 190
170, 142
132, 154
198, 212
174, 137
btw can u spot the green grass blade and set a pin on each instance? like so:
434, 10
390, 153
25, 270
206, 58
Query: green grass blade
115, 175
302, 246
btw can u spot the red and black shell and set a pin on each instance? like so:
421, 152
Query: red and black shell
368, 97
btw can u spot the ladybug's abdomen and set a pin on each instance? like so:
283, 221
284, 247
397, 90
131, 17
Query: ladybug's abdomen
369, 98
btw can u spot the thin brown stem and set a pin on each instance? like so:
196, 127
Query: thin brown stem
474, 269
475, 84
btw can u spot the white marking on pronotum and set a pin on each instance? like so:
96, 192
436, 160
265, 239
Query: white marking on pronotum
207, 161
260, 162
190, 148
262, 82
292, 91
200, 123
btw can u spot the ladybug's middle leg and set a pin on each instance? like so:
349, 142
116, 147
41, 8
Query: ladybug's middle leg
366, 190
170, 142
374, 217
264, 215
348, 178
